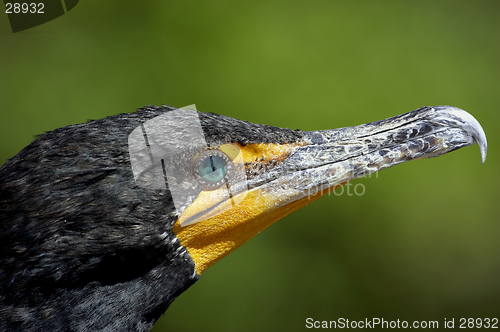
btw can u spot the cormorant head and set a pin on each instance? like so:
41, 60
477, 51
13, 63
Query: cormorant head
230, 179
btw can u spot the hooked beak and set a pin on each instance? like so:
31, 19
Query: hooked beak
332, 157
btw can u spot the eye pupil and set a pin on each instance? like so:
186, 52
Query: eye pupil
213, 169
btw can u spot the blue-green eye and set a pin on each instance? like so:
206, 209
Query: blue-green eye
212, 168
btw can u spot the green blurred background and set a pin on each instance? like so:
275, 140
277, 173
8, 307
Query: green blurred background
422, 243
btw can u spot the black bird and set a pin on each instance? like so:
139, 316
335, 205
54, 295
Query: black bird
90, 244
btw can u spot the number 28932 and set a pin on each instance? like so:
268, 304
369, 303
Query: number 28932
17, 8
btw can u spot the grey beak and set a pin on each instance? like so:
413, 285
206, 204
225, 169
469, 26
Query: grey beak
335, 156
